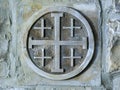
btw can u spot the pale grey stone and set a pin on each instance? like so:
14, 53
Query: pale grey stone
5, 37
3, 70
17, 15
117, 5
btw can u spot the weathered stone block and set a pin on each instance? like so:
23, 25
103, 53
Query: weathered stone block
5, 37
3, 70
16, 18
92, 75
117, 5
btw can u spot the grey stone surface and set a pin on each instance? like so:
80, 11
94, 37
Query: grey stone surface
54, 88
111, 34
91, 76
116, 79
5, 37
16, 16
116, 83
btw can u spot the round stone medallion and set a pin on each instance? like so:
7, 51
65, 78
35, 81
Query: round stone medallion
60, 43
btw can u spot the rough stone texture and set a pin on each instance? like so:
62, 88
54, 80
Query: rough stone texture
111, 40
27, 12
116, 80
5, 37
54, 88
15, 16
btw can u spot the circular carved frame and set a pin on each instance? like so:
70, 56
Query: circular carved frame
90, 51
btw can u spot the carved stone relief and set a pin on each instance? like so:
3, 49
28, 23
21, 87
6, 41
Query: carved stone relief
60, 43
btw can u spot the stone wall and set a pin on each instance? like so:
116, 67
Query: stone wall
103, 73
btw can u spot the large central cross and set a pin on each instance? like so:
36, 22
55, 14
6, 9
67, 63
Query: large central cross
57, 43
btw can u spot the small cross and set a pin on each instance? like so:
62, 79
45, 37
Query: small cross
72, 27
42, 28
43, 57
72, 57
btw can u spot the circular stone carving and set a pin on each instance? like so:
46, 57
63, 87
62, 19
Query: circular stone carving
60, 43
